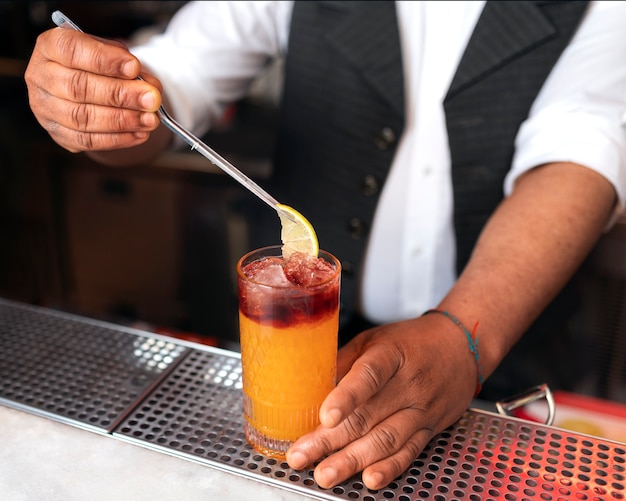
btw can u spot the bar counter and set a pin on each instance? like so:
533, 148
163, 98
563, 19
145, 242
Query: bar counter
45, 460
92, 410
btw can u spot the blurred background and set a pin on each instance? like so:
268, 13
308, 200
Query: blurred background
155, 246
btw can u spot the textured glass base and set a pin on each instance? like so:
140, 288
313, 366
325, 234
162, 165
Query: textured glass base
272, 428
268, 446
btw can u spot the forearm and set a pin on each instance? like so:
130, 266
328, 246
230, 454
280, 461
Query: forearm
529, 249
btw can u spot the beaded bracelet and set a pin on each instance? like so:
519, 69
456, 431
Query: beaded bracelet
472, 341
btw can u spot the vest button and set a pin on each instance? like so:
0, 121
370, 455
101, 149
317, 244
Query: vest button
385, 138
356, 228
369, 186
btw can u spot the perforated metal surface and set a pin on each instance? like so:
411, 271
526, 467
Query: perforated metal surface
194, 412
71, 368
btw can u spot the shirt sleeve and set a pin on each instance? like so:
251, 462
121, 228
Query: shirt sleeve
210, 53
580, 112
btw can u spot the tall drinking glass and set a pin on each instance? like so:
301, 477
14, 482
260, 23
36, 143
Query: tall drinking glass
288, 321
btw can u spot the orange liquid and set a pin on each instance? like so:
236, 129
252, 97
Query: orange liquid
288, 335
288, 373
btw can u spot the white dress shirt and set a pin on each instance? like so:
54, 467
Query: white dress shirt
212, 50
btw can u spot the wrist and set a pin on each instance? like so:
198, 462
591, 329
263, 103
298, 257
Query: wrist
472, 340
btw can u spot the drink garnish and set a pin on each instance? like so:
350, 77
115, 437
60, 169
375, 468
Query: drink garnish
297, 234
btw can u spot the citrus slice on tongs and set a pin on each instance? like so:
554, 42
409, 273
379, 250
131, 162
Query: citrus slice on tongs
297, 234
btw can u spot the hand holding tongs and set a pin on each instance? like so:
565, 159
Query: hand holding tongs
62, 20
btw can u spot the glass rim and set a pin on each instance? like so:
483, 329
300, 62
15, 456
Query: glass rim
327, 256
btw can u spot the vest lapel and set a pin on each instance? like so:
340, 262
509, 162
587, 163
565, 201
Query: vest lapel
366, 35
510, 55
504, 30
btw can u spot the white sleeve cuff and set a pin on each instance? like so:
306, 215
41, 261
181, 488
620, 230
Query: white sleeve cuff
584, 139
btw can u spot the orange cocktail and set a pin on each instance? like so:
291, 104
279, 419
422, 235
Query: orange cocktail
288, 321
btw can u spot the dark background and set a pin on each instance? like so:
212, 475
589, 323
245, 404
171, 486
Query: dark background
154, 245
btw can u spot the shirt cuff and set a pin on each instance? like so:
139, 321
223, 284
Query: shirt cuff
601, 148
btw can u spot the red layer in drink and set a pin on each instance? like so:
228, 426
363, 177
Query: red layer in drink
284, 293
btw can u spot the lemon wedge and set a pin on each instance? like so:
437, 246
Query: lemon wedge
297, 234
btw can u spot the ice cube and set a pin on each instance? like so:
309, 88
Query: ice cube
305, 270
268, 271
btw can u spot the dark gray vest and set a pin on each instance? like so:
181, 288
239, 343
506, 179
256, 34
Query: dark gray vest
343, 112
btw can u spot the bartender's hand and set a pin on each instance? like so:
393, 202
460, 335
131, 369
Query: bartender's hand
403, 383
84, 91
409, 380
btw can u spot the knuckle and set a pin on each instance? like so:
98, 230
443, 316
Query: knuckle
358, 423
398, 463
28, 75
323, 443
352, 396
35, 75
77, 85
74, 143
80, 116
416, 444
52, 127
119, 96
40, 40
372, 376
57, 134
386, 439
352, 461
100, 59
84, 141
118, 120
65, 44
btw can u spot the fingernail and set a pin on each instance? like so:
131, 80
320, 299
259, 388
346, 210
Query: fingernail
147, 101
141, 134
331, 418
373, 480
296, 460
327, 477
129, 68
148, 119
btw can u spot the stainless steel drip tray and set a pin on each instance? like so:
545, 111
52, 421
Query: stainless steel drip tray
85, 372
184, 400
196, 413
